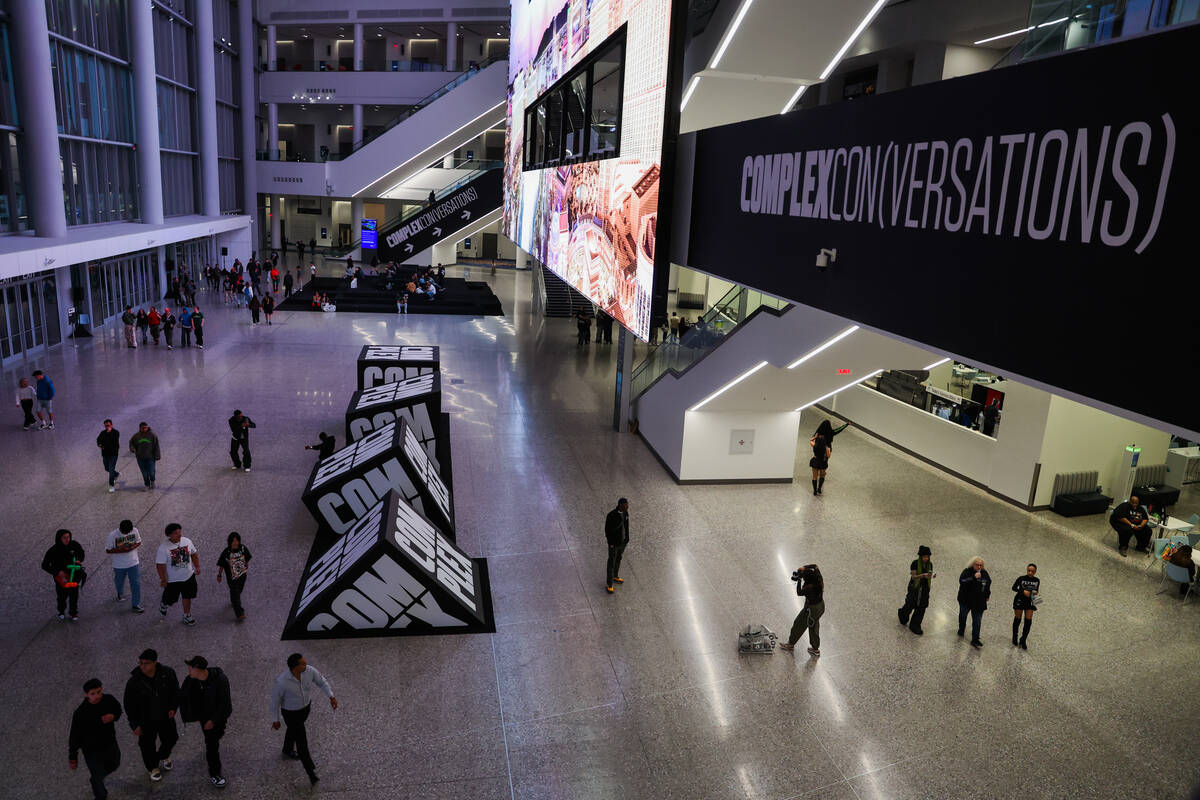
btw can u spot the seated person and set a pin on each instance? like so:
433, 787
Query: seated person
1130, 519
317, 300
431, 291
402, 304
411, 287
1183, 558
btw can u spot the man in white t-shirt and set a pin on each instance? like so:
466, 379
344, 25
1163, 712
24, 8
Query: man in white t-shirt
177, 571
122, 545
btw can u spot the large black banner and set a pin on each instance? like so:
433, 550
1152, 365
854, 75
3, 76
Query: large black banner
1039, 219
444, 218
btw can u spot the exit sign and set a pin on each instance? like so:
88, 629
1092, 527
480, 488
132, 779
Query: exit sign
843, 372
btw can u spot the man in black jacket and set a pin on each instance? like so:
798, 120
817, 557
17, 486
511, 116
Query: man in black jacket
205, 699
109, 442
1130, 519
64, 562
93, 731
616, 530
239, 429
151, 698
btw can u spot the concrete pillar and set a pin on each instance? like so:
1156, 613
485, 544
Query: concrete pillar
448, 161
247, 40
272, 131
893, 75
161, 258
206, 111
35, 94
358, 47
145, 104
276, 216
451, 46
622, 391
271, 56
62, 292
929, 63
356, 135
356, 212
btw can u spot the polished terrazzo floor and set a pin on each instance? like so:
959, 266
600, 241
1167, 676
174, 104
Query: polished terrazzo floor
579, 694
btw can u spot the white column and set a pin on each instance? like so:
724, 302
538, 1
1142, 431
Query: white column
271, 56
145, 105
358, 47
62, 291
356, 135
206, 111
448, 161
161, 292
276, 216
272, 131
248, 50
451, 46
356, 212
35, 92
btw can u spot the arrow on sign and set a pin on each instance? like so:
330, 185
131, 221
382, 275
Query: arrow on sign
437, 231
408, 248
466, 215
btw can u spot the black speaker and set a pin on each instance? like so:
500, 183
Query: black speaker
224, 251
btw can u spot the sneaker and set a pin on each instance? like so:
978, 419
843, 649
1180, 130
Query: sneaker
156, 774
27, 427
169, 347
218, 781
187, 620
74, 618
235, 467
165, 764
247, 469
138, 609
814, 651
62, 617
917, 631
786, 646
618, 580
901, 617
112, 489
1023, 645
976, 643
52, 428
608, 589
162, 608
120, 599
222, 779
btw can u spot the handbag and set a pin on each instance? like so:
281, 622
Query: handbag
1036, 600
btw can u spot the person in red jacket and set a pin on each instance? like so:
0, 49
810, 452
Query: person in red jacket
155, 322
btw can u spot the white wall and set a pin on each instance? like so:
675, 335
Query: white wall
962, 60
706, 454
717, 289
1080, 437
239, 244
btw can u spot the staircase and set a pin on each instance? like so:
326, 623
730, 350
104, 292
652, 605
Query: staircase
561, 298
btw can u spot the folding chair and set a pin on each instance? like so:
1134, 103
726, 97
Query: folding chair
1176, 574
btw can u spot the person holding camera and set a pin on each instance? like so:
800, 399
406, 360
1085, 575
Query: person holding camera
974, 589
811, 587
917, 600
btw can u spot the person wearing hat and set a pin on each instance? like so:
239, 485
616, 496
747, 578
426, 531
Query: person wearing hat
917, 599
205, 699
151, 699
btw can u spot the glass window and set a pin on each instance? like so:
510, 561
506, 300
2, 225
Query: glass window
574, 116
606, 102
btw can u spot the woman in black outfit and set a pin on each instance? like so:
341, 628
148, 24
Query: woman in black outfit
234, 563
1026, 588
819, 462
827, 430
974, 589
917, 598
810, 586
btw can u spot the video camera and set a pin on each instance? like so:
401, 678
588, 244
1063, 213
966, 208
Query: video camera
808, 570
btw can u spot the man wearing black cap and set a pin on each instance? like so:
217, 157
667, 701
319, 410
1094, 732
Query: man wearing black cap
917, 599
151, 698
205, 699
616, 531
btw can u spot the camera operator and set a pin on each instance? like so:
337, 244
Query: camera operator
811, 587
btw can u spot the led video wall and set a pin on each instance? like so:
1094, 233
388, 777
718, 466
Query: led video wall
583, 153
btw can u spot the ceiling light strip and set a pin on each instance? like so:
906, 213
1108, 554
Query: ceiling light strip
794, 98
1022, 30
824, 346
688, 94
729, 385
853, 37
737, 21
842, 389
937, 364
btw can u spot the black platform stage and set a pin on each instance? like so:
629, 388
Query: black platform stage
458, 297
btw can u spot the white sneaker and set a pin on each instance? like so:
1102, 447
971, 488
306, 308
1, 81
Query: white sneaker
156, 774
247, 469
112, 489
165, 764
187, 620
218, 781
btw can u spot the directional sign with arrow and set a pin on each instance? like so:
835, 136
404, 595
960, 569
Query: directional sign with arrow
443, 218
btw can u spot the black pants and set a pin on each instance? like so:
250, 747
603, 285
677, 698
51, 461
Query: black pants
254, 315
1124, 532
185, 337
166, 734
913, 611
236, 586
62, 594
212, 748
101, 764
295, 737
233, 453
614, 561
27, 407
200, 337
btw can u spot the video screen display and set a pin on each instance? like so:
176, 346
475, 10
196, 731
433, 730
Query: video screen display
595, 222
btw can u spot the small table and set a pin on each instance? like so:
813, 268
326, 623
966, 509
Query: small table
1172, 527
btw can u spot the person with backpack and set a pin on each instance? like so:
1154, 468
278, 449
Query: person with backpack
185, 327
205, 699
151, 701
155, 323
917, 598
234, 564
44, 392
64, 562
129, 320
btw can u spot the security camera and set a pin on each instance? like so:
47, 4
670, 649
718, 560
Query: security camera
825, 258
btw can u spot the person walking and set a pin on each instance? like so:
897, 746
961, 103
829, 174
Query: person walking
255, 306
122, 544
974, 589
94, 732
155, 320
811, 586
205, 698
64, 562
288, 283
312, 248
143, 326
168, 325
291, 699
177, 571
185, 327
312, 271
239, 429
616, 531
234, 563
326, 447
109, 442
300, 251
275, 278
25, 397
819, 461
921, 574
144, 446
1027, 587
129, 320
268, 306
198, 325
151, 701
43, 389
